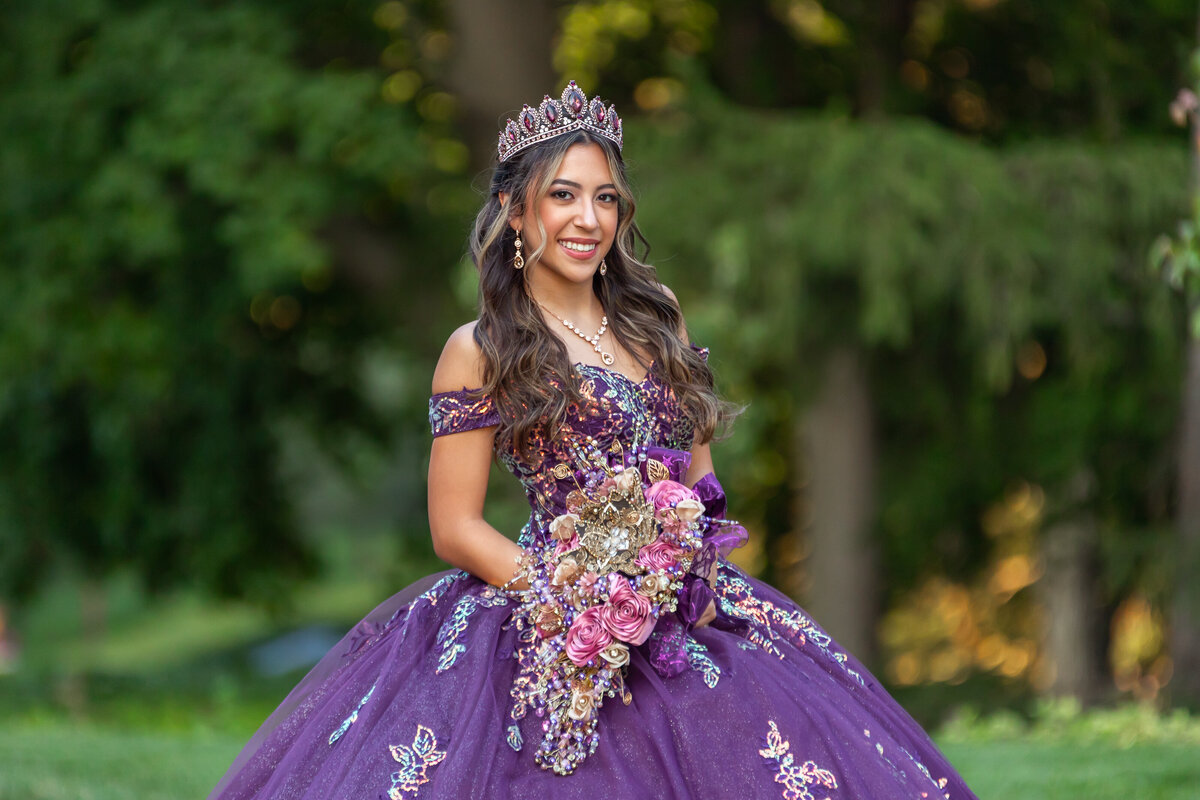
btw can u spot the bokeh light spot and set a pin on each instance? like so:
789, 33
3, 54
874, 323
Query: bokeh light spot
401, 86
1031, 361
390, 15
285, 312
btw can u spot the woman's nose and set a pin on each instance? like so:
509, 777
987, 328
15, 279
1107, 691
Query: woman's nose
587, 215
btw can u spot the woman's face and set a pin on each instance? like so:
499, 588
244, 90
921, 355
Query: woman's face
579, 215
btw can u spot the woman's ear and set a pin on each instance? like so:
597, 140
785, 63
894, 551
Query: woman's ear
513, 222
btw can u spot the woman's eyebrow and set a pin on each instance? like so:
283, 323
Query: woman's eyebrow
575, 185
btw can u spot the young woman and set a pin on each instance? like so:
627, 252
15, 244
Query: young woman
537, 668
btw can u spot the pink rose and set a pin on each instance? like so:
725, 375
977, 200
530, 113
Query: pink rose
587, 636
673, 526
627, 614
605, 486
658, 556
566, 546
587, 582
665, 494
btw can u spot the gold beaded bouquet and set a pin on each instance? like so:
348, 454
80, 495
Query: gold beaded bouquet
613, 566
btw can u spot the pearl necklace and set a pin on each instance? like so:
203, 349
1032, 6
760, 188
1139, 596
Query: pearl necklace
594, 341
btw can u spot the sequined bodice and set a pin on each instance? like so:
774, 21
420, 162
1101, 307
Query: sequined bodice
617, 417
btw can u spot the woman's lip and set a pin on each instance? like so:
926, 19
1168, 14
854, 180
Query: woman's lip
575, 254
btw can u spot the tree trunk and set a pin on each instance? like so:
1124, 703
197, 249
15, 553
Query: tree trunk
1068, 595
1185, 610
502, 59
840, 462
882, 27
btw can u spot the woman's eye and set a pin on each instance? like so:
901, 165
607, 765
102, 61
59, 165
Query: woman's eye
607, 198
561, 194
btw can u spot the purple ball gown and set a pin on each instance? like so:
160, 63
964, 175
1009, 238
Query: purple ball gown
419, 700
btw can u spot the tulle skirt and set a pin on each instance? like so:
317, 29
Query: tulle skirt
416, 702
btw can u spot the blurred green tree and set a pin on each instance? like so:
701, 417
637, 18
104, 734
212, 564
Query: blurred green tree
171, 175
932, 267
998, 69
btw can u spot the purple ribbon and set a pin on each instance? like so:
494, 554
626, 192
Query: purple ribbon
676, 462
667, 645
720, 538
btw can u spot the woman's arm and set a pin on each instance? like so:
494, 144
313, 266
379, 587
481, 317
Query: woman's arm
459, 464
701, 465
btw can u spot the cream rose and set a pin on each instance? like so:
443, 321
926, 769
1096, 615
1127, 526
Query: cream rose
566, 571
627, 480
582, 704
563, 526
689, 509
616, 654
653, 584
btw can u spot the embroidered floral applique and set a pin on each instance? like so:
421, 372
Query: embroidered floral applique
939, 784
523, 686
449, 636
737, 599
798, 781
435, 592
351, 719
415, 761
700, 660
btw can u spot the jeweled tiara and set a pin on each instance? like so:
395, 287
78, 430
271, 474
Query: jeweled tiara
556, 117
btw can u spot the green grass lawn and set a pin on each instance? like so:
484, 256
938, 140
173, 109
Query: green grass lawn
1038, 770
54, 760
57, 761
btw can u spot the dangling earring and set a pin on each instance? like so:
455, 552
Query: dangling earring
603, 267
518, 259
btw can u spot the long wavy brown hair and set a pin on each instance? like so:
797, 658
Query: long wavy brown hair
526, 369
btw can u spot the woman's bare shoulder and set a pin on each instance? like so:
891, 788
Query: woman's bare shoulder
461, 363
683, 334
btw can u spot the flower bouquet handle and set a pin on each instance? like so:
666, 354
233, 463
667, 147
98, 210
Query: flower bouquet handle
626, 562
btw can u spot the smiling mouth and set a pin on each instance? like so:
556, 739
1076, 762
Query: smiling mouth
579, 247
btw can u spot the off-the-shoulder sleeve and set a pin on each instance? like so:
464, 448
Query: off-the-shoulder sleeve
703, 351
462, 410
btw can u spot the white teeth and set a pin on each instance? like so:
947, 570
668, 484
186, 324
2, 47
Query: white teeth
576, 246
